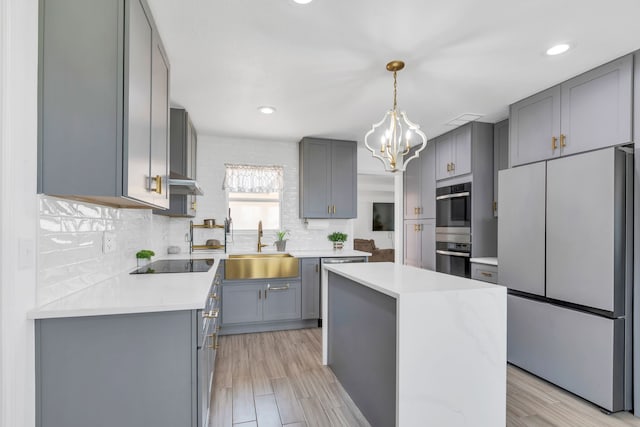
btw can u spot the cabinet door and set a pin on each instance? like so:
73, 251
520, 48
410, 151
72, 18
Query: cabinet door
521, 229
344, 193
461, 150
241, 303
412, 187
315, 200
282, 300
193, 160
428, 244
533, 123
428, 181
138, 90
160, 124
444, 155
584, 236
412, 243
500, 156
310, 280
596, 107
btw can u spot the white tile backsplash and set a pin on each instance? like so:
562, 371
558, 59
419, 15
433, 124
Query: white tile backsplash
70, 254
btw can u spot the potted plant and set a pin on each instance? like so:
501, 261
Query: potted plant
144, 257
281, 243
338, 239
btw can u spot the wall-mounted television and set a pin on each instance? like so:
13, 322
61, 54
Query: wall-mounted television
383, 219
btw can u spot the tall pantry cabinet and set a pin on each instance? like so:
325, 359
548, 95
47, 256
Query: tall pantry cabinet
103, 103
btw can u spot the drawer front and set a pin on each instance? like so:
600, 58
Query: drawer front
484, 272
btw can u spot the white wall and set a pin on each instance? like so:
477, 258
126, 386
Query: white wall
18, 208
213, 153
373, 188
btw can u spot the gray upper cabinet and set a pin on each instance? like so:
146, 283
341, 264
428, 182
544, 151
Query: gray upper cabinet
103, 103
184, 147
310, 280
500, 156
521, 228
590, 111
453, 153
328, 177
420, 185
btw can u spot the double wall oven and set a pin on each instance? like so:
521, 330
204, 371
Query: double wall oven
453, 229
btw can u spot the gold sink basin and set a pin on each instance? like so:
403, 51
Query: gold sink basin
260, 266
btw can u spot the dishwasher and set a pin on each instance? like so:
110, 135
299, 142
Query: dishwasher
336, 260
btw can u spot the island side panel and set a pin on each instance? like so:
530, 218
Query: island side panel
361, 328
452, 358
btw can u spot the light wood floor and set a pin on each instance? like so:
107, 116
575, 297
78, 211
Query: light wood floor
277, 379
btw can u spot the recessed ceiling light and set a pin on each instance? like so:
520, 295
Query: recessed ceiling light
303, 1
558, 49
265, 109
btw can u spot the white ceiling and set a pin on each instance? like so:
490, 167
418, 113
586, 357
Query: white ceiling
322, 65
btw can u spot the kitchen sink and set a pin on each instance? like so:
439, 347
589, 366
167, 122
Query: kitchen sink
261, 266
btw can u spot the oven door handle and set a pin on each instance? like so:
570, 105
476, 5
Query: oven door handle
453, 196
460, 254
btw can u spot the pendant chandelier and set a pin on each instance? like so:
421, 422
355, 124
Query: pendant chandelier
395, 140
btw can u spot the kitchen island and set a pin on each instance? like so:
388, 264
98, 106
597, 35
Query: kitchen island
415, 347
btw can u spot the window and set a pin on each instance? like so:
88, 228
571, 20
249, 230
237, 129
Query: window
254, 194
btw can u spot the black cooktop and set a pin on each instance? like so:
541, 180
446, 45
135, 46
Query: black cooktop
176, 266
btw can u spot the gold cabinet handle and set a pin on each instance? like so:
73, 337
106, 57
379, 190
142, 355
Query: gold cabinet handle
328, 209
554, 144
563, 139
485, 274
158, 181
213, 339
334, 209
453, 166
193, 206
213, 295
448, 167
212, 314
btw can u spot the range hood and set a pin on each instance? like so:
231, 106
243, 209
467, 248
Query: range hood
183, 185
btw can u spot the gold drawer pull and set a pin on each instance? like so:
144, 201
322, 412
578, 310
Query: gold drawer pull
158, 181
563, 140
554, 144
211, 314
485, 274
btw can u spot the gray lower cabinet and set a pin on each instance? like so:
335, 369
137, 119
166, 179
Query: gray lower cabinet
103, 103
328, 178
420, 243
261, 301
310, 281
590, 111
121, 370
484, 272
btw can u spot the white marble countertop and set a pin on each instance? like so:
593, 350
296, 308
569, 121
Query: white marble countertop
137, 293
396, 280
485, 260
141, 293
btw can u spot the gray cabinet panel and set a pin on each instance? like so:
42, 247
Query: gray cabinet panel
413, 187
120, 370
428, 244
328, 178
581, 192
462, 150
548, 340
310, 282
420, 185
444, 154
315, 175
103, 95
533, 122
138, 117
242, 303
596, 107
412, 243
500, 156
282, 300
343, 179
521, 228
160, 123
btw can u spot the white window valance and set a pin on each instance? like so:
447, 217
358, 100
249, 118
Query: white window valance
253, 178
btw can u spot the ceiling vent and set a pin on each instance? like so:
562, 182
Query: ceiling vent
463, 119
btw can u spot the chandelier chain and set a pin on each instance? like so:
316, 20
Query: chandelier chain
395, 90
